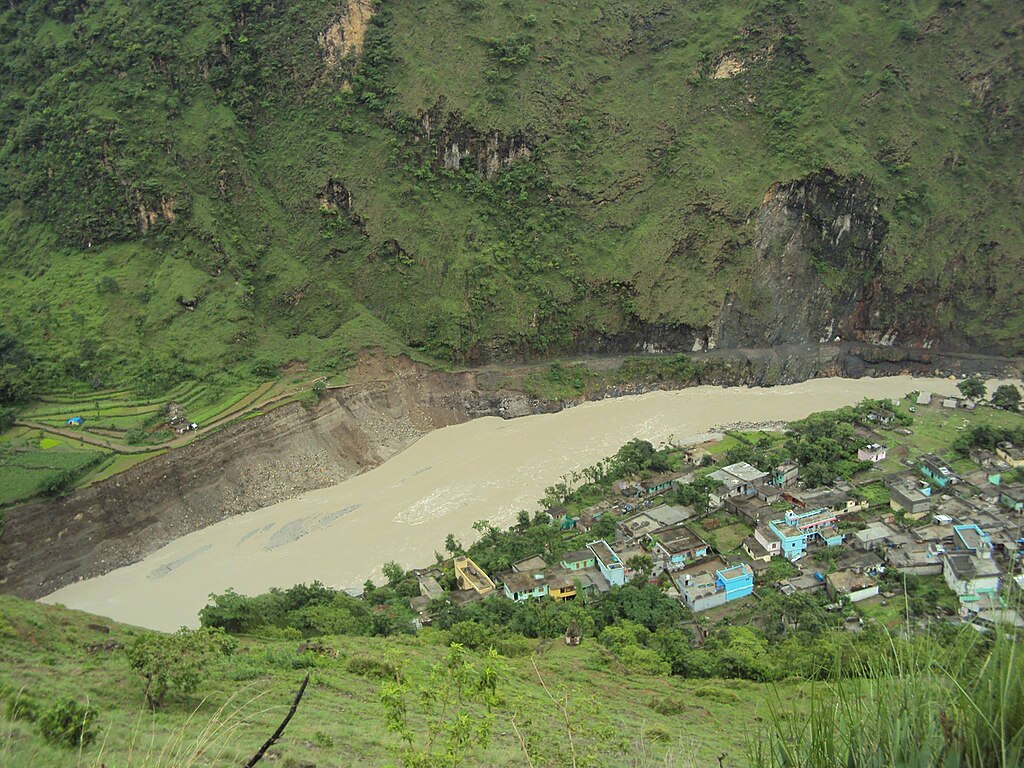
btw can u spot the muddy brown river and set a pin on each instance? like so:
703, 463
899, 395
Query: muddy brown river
402, 510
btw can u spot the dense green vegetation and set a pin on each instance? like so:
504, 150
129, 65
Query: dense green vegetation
228, 187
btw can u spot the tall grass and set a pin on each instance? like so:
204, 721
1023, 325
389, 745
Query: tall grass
190, 744
919, 705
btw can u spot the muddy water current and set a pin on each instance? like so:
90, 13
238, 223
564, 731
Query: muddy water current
488, 468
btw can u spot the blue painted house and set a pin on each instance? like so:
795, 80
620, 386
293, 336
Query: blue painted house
608, 563
737, 581
937, 471
796, 531
702, 590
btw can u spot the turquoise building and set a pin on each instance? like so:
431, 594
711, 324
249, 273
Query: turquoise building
795, 532
737, 581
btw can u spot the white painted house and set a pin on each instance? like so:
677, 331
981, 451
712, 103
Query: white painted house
873, 453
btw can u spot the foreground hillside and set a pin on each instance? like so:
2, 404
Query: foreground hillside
236, 184
619, 718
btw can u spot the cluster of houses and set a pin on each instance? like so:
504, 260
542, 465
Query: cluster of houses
973, 524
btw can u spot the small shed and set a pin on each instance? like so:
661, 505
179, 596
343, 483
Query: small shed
573, 633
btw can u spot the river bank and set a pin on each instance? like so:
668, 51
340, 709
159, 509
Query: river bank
272, 457
486, 468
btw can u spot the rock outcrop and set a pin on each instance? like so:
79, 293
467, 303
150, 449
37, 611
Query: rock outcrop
817, 246
455, 143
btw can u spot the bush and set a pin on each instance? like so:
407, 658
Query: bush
668, 706
471, 634
22, 707
68, 724
373, 668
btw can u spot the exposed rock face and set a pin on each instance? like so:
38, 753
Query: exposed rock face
817, 243
345, 35
454, 142
148, 215
336, 197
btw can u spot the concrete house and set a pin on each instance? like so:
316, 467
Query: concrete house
608, 562
469, 576
755, 550
659, 483
937, 470
881, 416
752, 508
771, 543
873, 535
736, 480
523, 586
972, 578
796, 531
970, 538
1011, 454
677, 545
529, 564
649, 520
709, 585
1012, 497
873, 453
913, 499
855, 586
785, 474
578, 560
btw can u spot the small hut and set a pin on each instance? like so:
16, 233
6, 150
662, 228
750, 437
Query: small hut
573, 633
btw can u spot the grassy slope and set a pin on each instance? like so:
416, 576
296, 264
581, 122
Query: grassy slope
46, 651
635, 205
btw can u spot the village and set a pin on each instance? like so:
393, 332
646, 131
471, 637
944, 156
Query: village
752, 530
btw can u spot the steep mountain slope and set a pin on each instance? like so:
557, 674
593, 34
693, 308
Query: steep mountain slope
192, 188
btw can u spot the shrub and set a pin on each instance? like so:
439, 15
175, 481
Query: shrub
668, 706
658, 735
373, 668
471, 634
68, 724
22, 707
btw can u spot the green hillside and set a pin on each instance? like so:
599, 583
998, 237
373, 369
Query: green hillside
620, 717
234, 185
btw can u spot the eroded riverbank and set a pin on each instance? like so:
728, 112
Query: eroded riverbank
487, 468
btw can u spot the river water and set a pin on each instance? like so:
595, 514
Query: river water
403, 510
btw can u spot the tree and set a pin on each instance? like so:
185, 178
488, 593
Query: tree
973, 388
393, 572
451, 725
177, 661
697, 494
1007, 397
642, 566
452, 546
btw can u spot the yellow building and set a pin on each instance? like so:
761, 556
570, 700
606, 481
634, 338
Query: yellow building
1011, 454
468, 575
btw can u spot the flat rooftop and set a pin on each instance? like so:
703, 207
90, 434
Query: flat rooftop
745, 471
679, 538
604, 553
